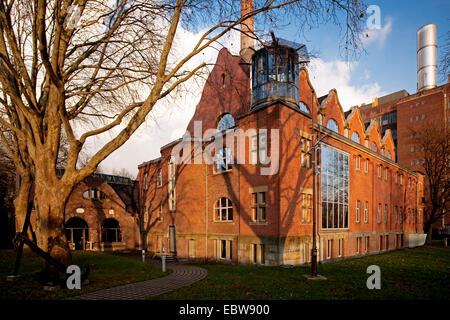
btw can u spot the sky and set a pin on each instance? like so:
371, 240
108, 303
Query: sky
388, 64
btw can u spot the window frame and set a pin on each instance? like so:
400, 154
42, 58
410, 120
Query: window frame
218, 210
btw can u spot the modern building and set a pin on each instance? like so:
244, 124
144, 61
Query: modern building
405, 114
254, 202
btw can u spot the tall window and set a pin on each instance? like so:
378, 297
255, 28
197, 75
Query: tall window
334, 177
366, 212
145, 180
385, 173
224, 160
340, 247
379, 213
332, 125
358, 206
223, 210
306, 207
385, 213
374, 147
259, 206
306, 157
355, 137
396, 177
366, 165
366, 244
380, 168
358, 245
225, 122
159, 181
358, 162
171, 185
258, 147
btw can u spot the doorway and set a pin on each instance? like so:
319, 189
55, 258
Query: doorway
77, 233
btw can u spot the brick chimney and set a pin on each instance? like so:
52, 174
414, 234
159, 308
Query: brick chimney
248, 26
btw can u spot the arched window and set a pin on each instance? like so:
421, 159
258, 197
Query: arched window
225, 122
374, 147
223, 210
332, 125
303, 107
355, 137
77, 232
94, 194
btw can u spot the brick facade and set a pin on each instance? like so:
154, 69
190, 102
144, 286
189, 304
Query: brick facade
191, 229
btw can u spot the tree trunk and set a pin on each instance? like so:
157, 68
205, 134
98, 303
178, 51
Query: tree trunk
21, 201
51, 200
430, 230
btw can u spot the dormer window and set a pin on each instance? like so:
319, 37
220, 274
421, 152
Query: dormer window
332, 125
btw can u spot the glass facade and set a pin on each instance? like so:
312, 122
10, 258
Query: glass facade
275, 74
334, 190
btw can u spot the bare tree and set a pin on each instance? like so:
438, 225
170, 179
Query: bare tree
444, 63
433, 144
123, 173
81, 68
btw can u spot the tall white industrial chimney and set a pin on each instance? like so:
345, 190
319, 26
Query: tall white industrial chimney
426, 57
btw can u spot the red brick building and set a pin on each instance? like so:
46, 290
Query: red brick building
402, 112
101, 214
258, 212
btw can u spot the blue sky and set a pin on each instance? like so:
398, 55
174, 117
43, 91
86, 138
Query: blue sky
391, 63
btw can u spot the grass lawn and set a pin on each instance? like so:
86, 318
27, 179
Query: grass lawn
106, 271
420, 273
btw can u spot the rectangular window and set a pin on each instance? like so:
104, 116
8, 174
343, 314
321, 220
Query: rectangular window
401, 179
159, 181
306, 156
145, 180
379, 171
358, 245
385, 174
340, 247
358, 163
396, 177
225, 249
358, 205
255, 253
306, 207
385, 213
224, 160
386, 245
259, 206
380, 243
366, 244
379, 213
366, 212
366, 165
335, 186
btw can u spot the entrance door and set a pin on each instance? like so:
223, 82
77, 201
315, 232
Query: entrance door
172, 244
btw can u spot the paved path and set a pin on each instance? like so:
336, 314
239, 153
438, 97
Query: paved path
181, 276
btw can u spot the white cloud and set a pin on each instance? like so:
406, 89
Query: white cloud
169, 119
377, 35
327, 75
